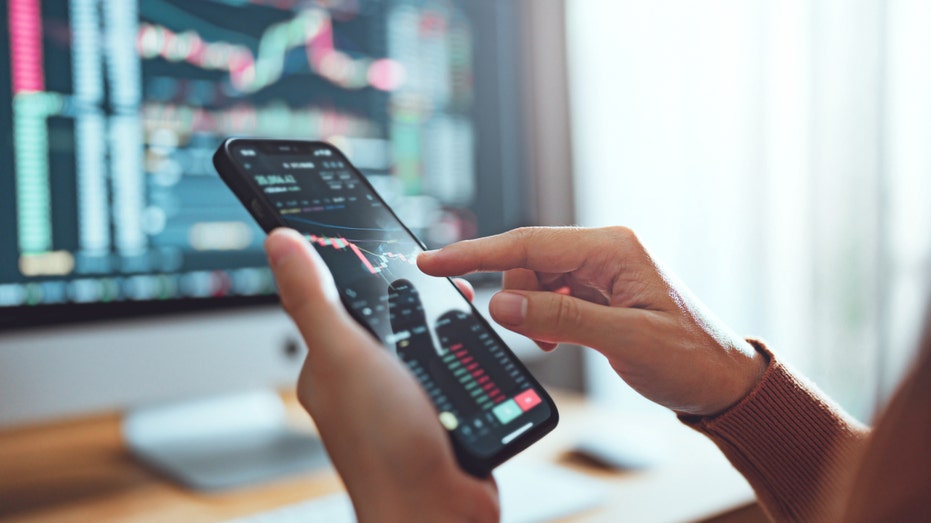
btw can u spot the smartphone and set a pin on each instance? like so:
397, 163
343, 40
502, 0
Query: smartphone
489, 404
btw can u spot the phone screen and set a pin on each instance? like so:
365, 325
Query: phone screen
482, 394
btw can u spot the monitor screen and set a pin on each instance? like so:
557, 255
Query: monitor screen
109, 204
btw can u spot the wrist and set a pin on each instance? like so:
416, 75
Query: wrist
746, 375
754, 370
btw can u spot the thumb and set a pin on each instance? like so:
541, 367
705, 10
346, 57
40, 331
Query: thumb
308, 293
558, 318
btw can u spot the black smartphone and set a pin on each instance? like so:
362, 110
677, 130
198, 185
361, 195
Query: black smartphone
489, 403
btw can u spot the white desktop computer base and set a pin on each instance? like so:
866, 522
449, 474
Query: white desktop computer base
222, 442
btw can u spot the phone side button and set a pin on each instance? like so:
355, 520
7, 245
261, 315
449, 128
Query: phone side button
257, 208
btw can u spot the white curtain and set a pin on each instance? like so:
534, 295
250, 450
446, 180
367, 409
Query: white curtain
776, 155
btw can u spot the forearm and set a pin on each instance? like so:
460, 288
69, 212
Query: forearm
794, 446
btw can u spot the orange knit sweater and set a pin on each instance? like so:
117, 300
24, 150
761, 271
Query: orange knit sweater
807, 460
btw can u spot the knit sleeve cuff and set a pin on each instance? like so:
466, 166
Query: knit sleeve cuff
787, 439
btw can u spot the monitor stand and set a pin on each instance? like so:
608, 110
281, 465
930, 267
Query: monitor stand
222, 442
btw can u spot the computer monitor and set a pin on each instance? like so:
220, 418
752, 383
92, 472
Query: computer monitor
129, 275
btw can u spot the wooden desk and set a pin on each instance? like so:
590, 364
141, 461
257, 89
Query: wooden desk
80, 471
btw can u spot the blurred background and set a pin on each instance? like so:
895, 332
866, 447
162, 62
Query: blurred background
773, 155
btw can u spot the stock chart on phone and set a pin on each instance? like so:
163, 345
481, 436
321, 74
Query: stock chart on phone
481, 393
116, 107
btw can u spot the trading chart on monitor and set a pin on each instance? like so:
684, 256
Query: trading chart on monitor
116, 106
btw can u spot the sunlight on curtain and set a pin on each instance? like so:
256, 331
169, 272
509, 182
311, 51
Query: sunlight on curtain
775, 156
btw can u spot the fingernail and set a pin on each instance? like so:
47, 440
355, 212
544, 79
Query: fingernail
509, 308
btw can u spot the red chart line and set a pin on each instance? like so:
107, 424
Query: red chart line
365, 261
342, 243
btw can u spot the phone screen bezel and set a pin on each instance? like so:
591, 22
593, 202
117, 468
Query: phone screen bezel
258, 205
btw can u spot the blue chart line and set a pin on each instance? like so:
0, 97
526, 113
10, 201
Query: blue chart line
332, 226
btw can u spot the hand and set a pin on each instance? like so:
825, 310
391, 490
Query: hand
377, 423
602, 289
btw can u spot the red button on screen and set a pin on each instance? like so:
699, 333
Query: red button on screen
527, 400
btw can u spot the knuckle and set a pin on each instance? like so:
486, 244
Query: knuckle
622, 233
524, 239
523, 233
568, 313
625, 239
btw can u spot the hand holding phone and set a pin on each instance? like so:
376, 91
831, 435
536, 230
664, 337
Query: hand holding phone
488, 403
376, 421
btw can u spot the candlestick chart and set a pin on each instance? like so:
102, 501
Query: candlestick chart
116, 107
376, 256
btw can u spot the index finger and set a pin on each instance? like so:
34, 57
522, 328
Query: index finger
542, 249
